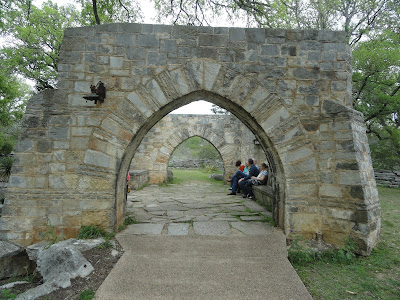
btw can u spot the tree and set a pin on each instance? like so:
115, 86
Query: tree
34, 40
109, 11
219, 110
13, 94
376, 85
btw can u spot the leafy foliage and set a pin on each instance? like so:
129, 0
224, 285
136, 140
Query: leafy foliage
376, 82
12, 103
196, 148
5, 166
36, 36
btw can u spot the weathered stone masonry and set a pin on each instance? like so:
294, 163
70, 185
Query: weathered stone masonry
226, 133
291, 88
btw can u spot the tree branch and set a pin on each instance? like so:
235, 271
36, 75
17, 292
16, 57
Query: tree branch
96, 15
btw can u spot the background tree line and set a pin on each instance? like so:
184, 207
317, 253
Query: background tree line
33, 37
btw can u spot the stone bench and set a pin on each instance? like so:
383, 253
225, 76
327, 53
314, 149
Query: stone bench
264, 193
139, 178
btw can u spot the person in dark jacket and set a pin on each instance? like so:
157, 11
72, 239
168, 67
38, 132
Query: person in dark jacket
253, 171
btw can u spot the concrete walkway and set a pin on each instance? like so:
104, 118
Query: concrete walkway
195, 242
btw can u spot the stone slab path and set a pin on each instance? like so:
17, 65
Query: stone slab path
195, 242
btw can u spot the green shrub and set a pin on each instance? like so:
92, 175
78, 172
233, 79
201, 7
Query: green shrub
5, 166
211, 168
130, 220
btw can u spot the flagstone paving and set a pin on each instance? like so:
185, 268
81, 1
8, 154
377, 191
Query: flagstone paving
195, 209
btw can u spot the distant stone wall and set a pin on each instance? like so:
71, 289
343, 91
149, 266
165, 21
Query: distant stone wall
388, 178
195, 163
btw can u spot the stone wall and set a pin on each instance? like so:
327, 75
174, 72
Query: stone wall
387, 178
291, 88
231, 138
194, 163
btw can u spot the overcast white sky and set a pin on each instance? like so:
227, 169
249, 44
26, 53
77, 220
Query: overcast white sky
149, 13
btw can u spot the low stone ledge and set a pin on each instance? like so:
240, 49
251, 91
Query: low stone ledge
139, 178
264, 193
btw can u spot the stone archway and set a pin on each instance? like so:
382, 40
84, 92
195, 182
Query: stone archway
226, 133
291, 88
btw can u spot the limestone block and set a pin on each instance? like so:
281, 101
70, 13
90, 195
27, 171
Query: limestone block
157, 92
213, 40
24, 145
210, 74
156, 59
139, 104
18, 181
195, 70
60, 260
148, 41
307, 165
13, 261
94, 183
305, 222
349, 178
237, 34
255, 35
126, 39
302, 189
100, 218
297, 154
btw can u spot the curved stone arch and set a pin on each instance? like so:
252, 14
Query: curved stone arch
224, 132
268, 118
77, 155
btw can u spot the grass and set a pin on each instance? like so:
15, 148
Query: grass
7, 295
373, 277
86, 295
93, 232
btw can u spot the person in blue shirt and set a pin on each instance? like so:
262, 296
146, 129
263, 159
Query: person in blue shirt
253, 171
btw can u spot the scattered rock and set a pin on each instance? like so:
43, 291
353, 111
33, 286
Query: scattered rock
12, 284
170, 176
218, 177
80, 245
58, 260
14, 261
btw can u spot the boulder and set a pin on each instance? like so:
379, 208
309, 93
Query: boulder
61, 263
218, 177
14, 261
80, 245
170, 176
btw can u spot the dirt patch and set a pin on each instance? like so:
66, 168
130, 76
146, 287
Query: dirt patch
102, 261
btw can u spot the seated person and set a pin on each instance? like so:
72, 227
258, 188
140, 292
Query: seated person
240, 176
240, 168
246, 186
